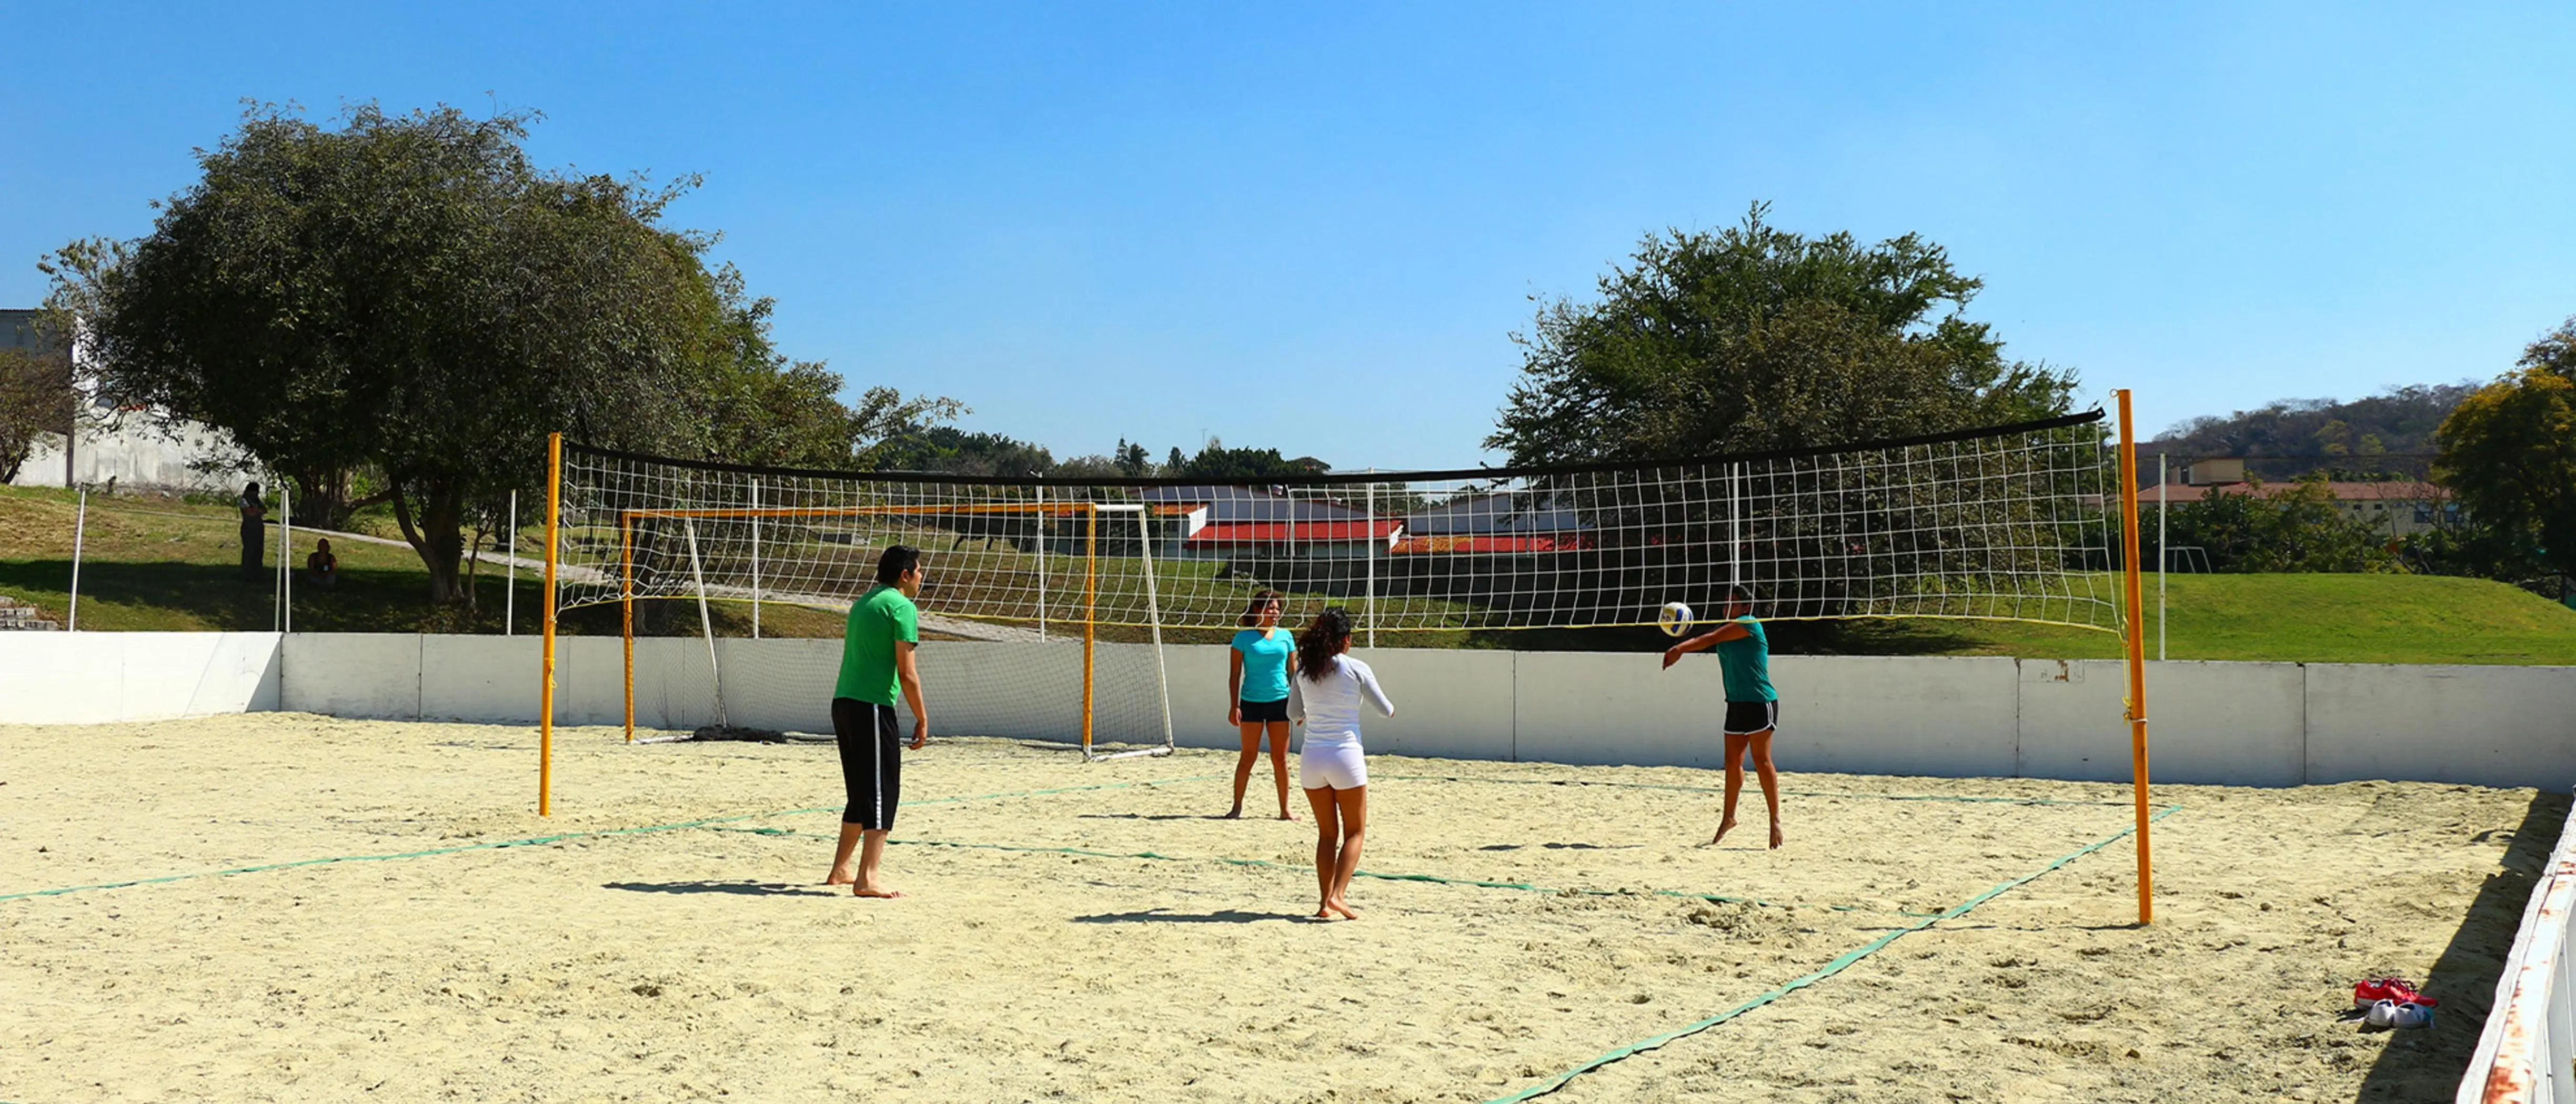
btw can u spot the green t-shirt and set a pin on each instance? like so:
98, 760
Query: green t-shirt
878, 619
1745, 663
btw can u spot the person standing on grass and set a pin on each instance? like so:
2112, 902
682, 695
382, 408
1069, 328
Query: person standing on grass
877, 663
254, 535
1326, 697
1256, 681
1752, 708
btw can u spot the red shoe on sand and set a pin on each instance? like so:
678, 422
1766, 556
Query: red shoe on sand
2397, 990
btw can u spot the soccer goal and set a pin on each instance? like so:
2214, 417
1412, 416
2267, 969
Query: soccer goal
2031, 522
1066, 585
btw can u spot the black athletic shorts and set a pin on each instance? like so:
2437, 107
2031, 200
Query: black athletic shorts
1264, 712
1747, 718
871, 761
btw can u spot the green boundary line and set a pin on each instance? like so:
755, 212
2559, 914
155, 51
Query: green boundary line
1266, 863
1785, 793
560, 837
1839, 964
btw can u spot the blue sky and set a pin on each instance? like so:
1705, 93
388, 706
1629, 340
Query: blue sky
1317, 228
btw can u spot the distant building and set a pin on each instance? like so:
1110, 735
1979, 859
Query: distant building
129, 449
1504, 523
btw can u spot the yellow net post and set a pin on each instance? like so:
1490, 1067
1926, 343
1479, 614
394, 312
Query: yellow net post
2136, 639
1090, 613
546, 690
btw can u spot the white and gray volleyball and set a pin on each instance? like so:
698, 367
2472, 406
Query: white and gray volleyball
1675, 620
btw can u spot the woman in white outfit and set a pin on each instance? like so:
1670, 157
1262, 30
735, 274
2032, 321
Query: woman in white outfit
1325, 697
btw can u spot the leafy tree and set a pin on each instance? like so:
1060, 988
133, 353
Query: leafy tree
1173, 463
955, 451
1753, 338
2296, 527
2509, 451
36, 399
1219, 463
1131, 459
408, 298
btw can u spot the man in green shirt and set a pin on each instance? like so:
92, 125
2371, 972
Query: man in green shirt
1752, 708
876, 664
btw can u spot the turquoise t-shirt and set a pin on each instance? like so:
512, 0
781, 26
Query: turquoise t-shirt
1265, 663
1745, 663
878, 619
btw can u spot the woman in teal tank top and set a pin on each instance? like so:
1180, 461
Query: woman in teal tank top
1256, 688
1752, 707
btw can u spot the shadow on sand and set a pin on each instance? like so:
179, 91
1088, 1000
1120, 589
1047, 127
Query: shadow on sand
739, 889
1159, 916
2428, 1065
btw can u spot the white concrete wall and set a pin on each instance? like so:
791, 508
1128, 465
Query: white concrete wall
2263, 724
135, 453
92, 677
2488, 726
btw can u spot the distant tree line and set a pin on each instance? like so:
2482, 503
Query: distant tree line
2385, 436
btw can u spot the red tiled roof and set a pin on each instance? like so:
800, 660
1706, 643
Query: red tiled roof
1304, 532
1414, 546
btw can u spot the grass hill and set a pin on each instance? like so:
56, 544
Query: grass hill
163, 564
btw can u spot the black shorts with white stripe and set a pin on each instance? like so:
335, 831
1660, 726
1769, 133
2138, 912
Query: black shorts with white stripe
1747, 718
871, 744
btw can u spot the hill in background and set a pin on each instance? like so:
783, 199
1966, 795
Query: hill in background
2386, 435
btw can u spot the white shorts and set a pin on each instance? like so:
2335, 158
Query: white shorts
1338, 764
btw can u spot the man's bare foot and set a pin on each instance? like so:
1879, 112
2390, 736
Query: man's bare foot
1776, 837
1346, 910
840, 877
879, 892
1237, 814
1286, 815
1723, 827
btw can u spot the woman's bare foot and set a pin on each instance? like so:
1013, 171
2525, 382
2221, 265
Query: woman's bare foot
1237, 814
1286, 815
879, 892
1723, 827
1776, 837
839, 876
1348, 913
1324, 911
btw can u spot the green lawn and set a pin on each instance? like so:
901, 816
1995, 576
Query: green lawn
2297, 618
154, 563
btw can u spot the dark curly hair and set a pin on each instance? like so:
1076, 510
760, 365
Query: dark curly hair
1323, 639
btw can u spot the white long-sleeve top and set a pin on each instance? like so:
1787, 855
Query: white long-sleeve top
1331, 708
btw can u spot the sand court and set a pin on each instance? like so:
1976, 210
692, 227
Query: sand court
1090, 932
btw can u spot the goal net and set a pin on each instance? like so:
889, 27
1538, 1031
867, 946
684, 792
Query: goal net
1075, 586
691, 538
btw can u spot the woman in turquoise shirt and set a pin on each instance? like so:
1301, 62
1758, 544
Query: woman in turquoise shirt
1752, 707
1256, 682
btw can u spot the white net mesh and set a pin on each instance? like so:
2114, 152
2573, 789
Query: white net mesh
2002, 524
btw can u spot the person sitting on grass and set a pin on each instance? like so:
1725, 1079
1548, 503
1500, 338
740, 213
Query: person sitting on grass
322, 569
1752, 708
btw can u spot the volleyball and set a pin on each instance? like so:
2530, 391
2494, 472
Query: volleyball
1675, 620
